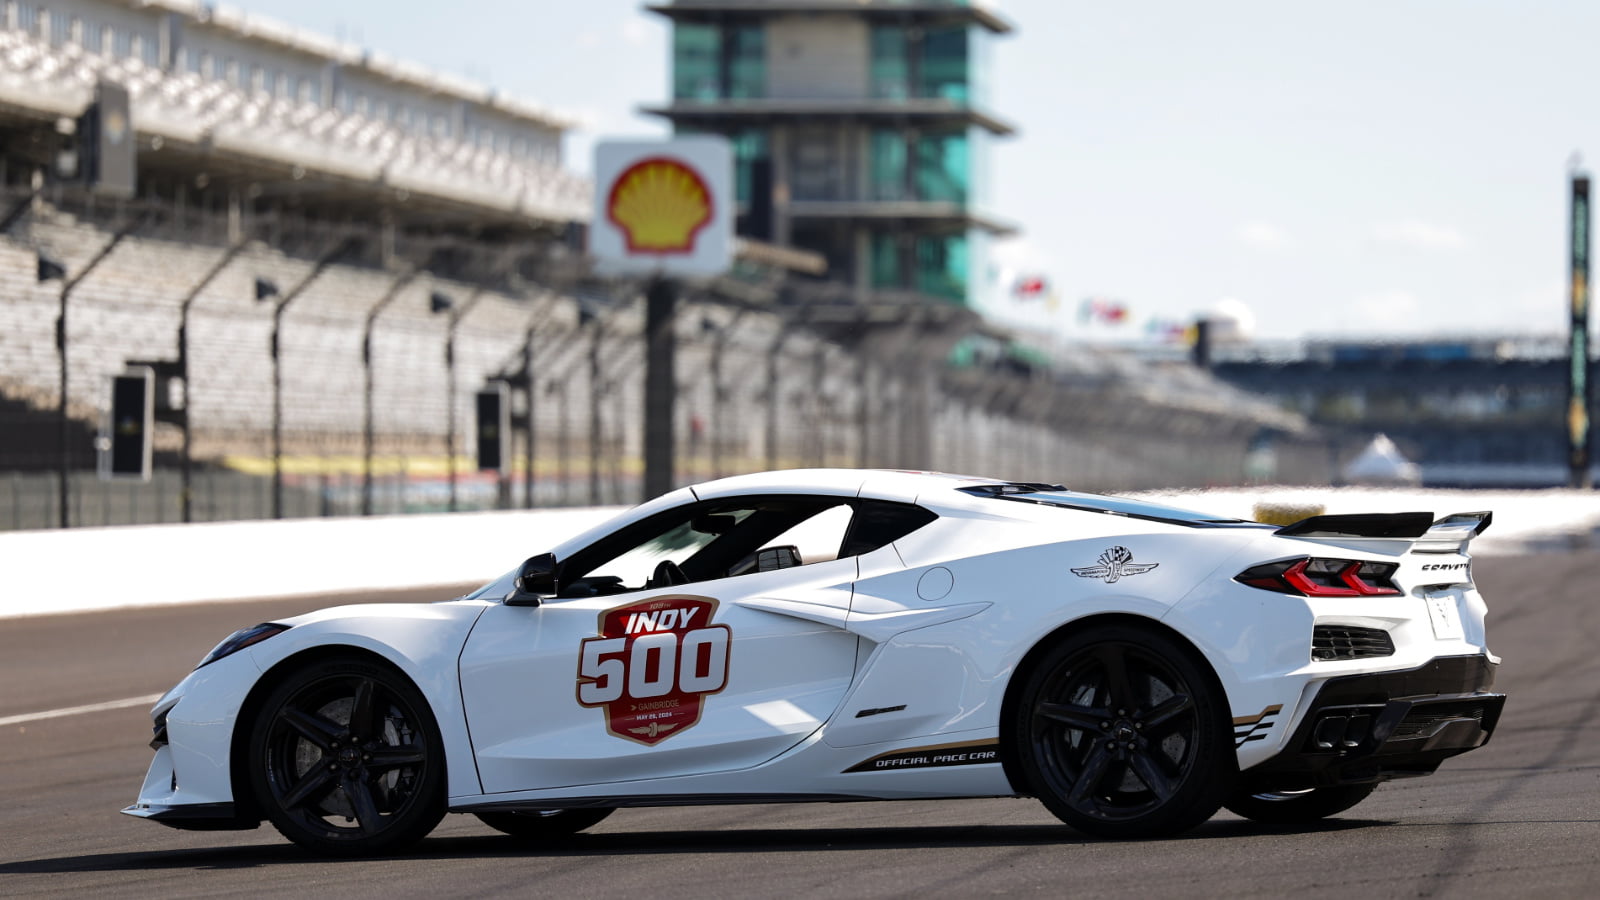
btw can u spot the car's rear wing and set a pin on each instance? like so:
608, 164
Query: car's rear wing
1426, 534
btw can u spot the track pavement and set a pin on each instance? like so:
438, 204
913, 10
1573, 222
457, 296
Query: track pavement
1520, 817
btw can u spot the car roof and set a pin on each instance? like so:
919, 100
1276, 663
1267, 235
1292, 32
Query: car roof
882, 484
877, 484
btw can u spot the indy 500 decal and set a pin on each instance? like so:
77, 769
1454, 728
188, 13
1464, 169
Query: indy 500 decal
653, 665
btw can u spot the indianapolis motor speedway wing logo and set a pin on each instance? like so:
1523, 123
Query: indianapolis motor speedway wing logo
653, 665
1114, 563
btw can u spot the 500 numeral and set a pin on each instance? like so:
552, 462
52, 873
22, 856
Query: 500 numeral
695, 662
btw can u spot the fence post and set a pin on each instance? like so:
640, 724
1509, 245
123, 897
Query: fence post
46, 271
596, 392
327, 259
369, 430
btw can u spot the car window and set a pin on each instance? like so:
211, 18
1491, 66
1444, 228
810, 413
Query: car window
713, 540
682, 540
819, 537
877, 522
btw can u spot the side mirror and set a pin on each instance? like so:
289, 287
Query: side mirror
536, 578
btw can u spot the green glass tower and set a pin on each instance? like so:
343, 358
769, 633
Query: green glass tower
860, 128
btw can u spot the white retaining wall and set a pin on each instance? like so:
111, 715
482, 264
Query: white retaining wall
80, 569
44, 572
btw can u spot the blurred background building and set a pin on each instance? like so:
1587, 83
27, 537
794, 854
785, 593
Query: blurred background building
1471, 412
861, 130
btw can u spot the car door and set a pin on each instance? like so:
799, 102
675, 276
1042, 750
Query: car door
624, 676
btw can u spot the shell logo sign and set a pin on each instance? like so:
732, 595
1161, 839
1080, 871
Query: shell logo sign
660, 204
663, 207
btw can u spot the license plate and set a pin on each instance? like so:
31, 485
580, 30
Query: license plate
1446, 618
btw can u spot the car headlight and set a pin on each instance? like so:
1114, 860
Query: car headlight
241, 639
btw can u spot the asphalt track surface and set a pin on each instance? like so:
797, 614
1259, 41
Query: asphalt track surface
1518, 818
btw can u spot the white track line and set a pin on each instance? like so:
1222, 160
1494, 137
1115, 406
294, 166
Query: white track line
148, 700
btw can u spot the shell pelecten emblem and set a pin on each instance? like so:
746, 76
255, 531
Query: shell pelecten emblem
660, 204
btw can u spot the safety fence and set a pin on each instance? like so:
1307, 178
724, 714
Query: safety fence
334, 370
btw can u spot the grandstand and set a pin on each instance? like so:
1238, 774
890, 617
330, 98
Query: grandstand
1486, 412
236, 89
407, 238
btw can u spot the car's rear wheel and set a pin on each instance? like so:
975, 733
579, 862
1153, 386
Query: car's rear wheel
1297, 807
1122, 734
544, 823
345, 759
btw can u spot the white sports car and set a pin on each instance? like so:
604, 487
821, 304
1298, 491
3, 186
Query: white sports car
832, 635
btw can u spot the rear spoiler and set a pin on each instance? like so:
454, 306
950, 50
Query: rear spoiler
1446, 535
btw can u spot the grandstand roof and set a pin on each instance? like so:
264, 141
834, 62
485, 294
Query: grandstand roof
220, 97
288, 37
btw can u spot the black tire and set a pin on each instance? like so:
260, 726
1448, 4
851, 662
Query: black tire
1297, 807
1121, 733
346, 760
544, 823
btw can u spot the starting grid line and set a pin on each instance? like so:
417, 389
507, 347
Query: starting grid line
147, 700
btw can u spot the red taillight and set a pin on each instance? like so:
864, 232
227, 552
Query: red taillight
1315, 577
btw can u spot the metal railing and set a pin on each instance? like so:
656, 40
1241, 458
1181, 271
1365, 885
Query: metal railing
378, 357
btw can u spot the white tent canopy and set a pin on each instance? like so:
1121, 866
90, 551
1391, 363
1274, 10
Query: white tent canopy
1382, 463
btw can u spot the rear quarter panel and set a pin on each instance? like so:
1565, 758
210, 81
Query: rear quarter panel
953, 677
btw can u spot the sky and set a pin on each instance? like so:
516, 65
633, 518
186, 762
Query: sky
1374, 169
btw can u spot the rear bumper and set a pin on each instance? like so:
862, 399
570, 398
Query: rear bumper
1365, 728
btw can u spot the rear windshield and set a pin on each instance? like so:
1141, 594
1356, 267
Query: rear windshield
1055, 495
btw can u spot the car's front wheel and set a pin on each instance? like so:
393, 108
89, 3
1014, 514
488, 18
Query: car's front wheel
1297, 807
1122, 734
543, 823
345, 759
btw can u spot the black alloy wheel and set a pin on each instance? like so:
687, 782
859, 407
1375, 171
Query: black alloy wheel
346, 759
1297, 807
544, 823
1122, 734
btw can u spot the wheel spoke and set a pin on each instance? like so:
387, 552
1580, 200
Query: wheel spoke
360, 794
1166, 712
361, 723
1149, 771
1119, 691
315, 729
313, 786
1094, 770
1081, 717
385, 758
